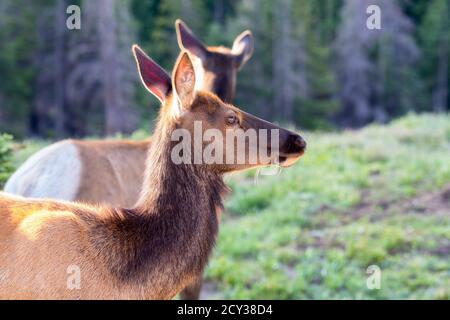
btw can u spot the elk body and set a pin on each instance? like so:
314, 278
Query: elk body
152, 250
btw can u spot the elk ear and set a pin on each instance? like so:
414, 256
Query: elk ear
243, 47
154, 78
188, 41
184, 80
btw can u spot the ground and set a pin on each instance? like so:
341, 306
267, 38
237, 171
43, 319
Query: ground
377, 196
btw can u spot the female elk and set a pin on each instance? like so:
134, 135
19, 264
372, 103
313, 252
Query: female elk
152, 250
111, 171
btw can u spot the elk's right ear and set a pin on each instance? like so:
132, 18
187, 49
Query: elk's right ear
184, 80
188, 41
154, 78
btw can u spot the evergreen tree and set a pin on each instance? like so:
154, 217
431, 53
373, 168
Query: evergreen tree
289, 73
315, 62
162, 44
434, 36
17, 43
254, 83
318, 21
376, 68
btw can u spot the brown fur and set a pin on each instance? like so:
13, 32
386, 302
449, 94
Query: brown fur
150, 251
112, 171
218, 76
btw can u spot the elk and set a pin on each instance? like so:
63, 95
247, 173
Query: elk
111, 171
159, 245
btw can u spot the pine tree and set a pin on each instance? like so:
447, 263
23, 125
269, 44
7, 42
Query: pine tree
376, 68
434, 36
254, 83
17, 44
117, 69
163, 44
289, 77
86, 77
318, 23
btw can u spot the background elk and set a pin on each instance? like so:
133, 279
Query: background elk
112, 171
151, 250
64, 170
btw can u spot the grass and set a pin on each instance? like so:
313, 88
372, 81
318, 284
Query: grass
357, 198
311, 231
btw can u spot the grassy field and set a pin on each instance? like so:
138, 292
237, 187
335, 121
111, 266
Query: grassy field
380, 195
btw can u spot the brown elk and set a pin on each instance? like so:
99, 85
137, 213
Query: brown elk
112, 171
162, 243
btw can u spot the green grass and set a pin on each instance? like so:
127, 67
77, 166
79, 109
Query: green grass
311, 231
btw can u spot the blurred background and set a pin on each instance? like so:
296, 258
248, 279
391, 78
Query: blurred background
315, 64
373, 188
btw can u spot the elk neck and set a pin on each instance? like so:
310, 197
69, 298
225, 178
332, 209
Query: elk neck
165, 240
170, 187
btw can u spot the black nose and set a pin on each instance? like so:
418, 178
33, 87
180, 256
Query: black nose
300, 143
296, 144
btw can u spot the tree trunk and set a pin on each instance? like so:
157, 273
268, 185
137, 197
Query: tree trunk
59, 65
107, 46
282, 60
440, 92
219, 12
119, 115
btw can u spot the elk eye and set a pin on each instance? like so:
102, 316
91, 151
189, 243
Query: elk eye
232, 120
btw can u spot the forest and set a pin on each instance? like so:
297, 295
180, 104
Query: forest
316, 64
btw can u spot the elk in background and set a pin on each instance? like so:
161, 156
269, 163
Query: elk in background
69, 169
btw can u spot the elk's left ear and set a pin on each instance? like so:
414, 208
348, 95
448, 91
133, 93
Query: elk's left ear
154, 78
184, 80
243, 47
188, 41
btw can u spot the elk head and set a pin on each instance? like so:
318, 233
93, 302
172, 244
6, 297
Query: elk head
206, 131
215, 67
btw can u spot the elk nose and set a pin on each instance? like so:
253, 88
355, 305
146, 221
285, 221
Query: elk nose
296, 144
300, 143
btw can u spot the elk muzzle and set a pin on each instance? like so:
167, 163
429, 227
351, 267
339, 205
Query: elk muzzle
291, 149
